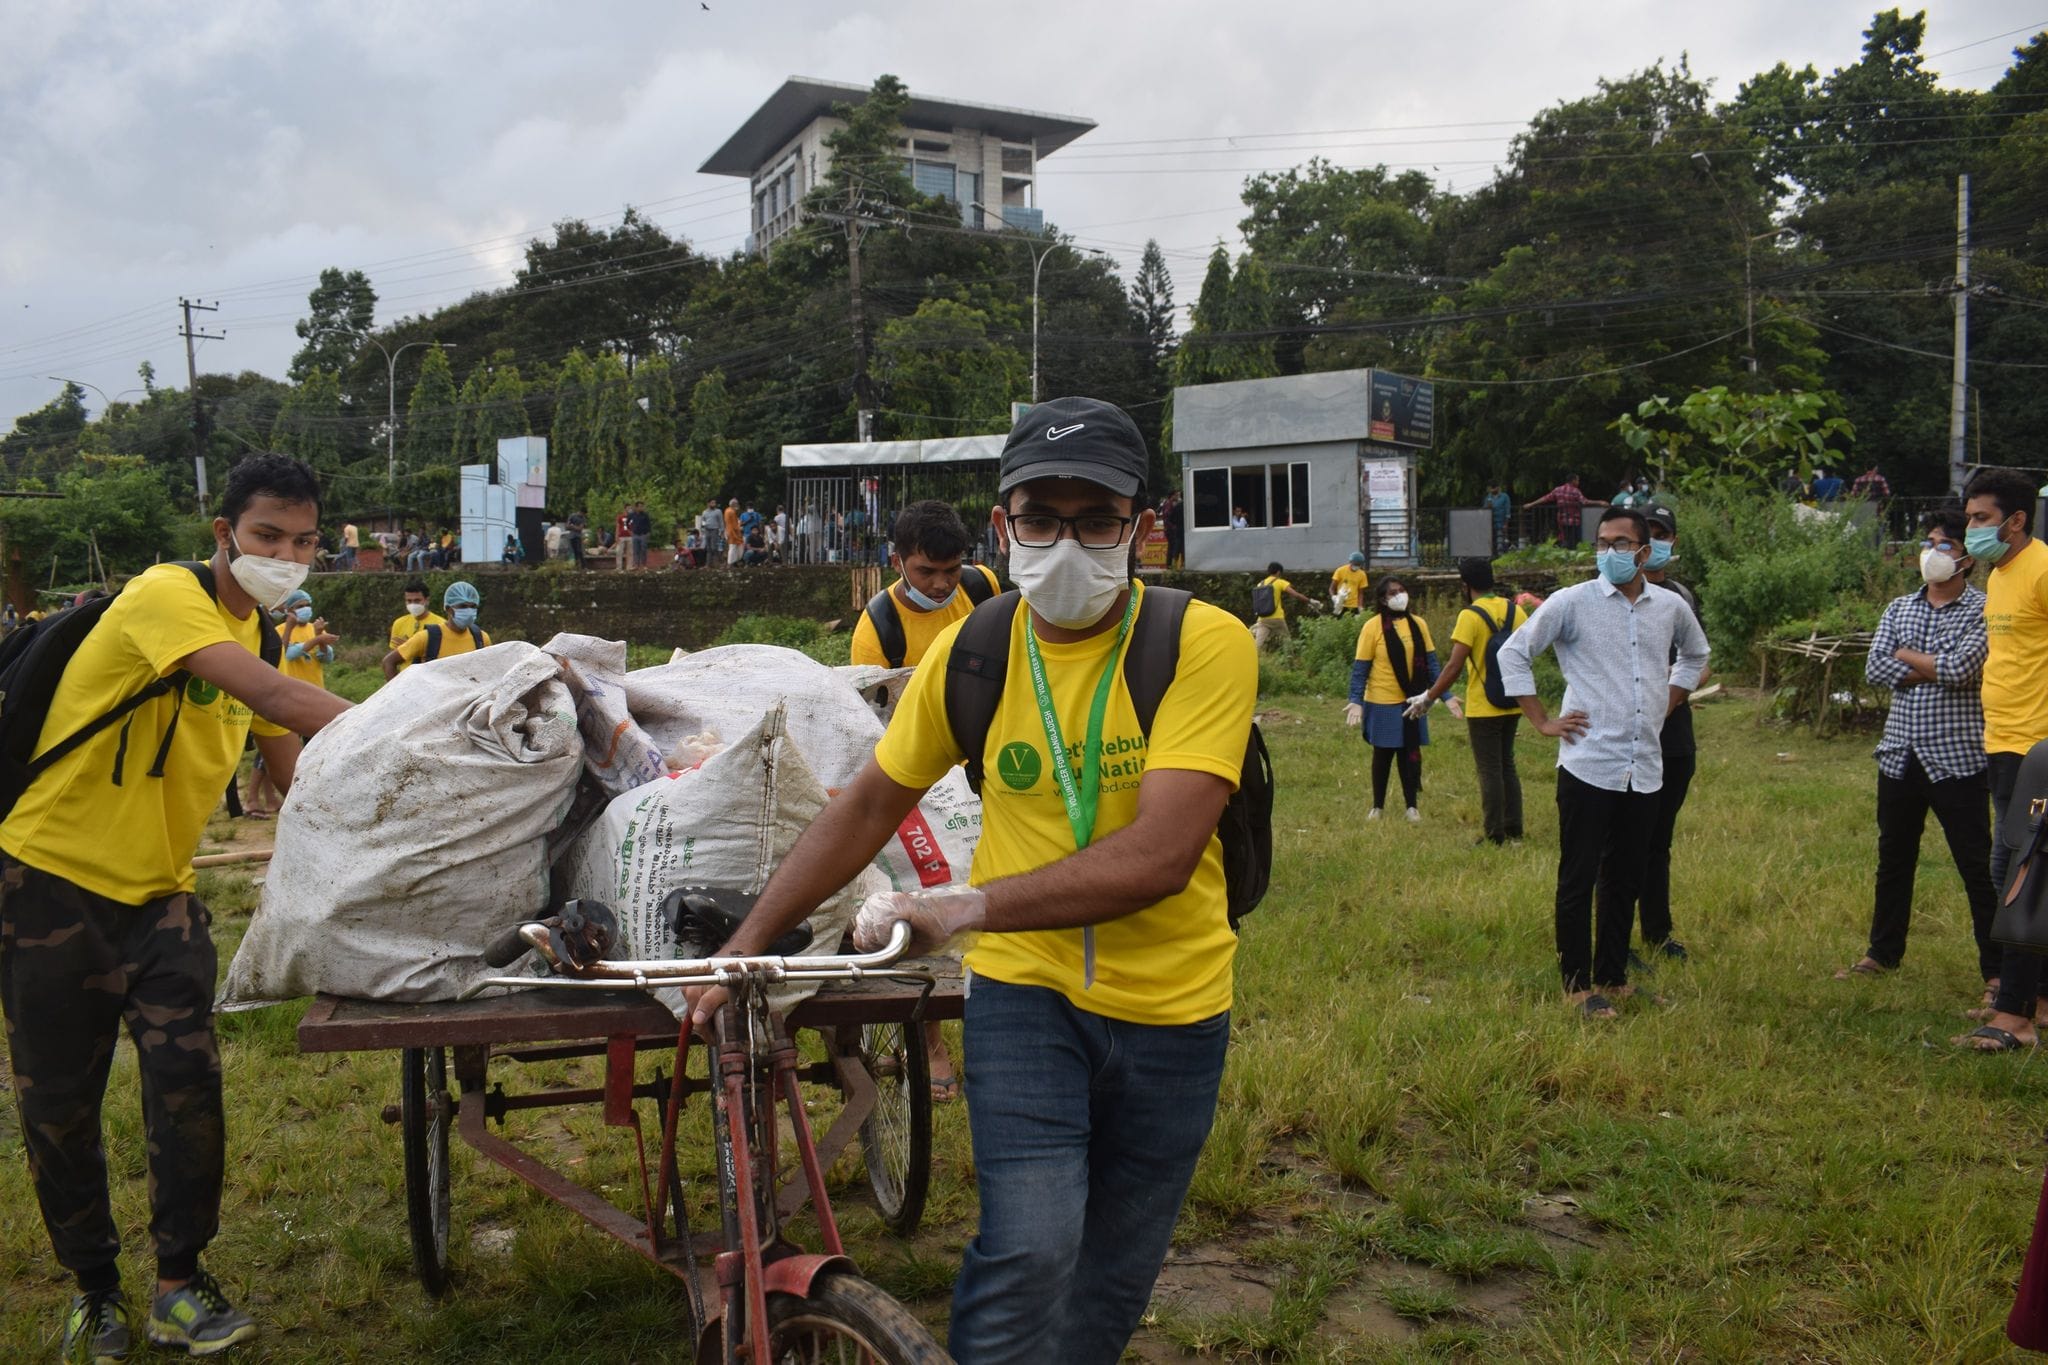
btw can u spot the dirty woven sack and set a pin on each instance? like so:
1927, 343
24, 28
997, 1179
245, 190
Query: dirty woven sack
416, 829
727, 823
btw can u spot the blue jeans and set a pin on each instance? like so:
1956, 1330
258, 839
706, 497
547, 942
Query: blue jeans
1086, 1133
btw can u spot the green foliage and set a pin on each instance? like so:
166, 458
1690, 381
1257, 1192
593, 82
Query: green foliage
1546, 555
1755, 562
115, 504
1714, 434
42, 439
430, 418
341, 310
945, 374
807, 637
309, 425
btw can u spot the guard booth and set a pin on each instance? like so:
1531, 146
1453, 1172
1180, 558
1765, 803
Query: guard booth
843, 497
1316, 466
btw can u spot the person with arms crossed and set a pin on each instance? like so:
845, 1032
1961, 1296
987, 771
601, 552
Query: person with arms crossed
1098, 1006
1929, 650
88, 942
1999, 507
1491, 728
1614, 636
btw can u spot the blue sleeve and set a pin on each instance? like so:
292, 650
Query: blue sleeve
295, 651
1361, 669
1429, 660
326, 655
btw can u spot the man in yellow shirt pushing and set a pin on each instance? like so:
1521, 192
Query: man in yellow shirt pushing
1098, 1007
101, 924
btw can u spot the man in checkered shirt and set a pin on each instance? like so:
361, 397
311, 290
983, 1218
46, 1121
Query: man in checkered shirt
1930, 651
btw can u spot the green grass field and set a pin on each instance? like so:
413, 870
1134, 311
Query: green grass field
1420, 1154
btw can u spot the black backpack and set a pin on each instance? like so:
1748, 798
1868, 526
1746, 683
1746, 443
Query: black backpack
32, 662
1262, 598
980, 661
434, 640
881, 610
1500, 631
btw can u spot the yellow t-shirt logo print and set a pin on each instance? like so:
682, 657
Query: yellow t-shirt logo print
1019, 765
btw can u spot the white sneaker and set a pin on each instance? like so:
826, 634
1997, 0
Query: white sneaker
1414, 816
1373, 814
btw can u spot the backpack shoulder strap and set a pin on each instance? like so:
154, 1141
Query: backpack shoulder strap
881, 611
433, 650
976, 581
483, 637
1153, 654
974, 677
268, 646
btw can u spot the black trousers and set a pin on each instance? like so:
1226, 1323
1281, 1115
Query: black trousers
1409, 761
74, 967
1961, 805
1654, 901
2019, 972
1602, 839
1500, 786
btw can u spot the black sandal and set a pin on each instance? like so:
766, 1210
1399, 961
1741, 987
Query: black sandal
1597, 1006
2006, 1040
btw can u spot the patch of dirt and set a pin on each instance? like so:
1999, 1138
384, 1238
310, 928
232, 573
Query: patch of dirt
1213, 1278
491, 1239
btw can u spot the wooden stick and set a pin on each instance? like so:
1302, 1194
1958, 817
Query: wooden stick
252, 855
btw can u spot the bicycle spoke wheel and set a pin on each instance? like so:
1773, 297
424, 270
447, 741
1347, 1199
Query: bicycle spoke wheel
426, 1113
847, 1321
896, 1139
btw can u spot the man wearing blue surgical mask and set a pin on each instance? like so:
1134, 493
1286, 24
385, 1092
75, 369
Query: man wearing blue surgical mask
460, 635
937, 588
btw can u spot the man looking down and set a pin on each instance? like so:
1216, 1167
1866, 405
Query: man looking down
98, 921
1098, 1006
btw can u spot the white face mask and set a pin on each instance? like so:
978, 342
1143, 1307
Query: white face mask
416, 608
1936, 567
267, 580
1070, 586
1398, 602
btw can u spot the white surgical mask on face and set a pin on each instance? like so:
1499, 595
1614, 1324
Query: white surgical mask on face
1068, 585
267, 580
1936, 567
1398, 602
416, 608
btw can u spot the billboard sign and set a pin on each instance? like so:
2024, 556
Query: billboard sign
1403, 410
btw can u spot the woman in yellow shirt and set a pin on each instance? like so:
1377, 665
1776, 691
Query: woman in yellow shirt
1395, 664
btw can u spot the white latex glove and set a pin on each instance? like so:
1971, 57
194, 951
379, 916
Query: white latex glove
1354, 714
1417, 704
934, 917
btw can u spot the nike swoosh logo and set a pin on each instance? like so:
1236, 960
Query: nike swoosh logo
1054, 433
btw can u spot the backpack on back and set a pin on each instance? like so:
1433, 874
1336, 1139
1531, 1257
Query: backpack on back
1498, 634
433, 633
32, 662
1262, 598
881, 612
979, 664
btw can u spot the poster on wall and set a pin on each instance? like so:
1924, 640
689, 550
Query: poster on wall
1387, 533
1403, 410
1152, 551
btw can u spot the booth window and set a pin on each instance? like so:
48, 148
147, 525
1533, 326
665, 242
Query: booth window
1272, 495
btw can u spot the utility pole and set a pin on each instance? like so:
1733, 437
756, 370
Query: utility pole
863, 389
192, 379
1959, 383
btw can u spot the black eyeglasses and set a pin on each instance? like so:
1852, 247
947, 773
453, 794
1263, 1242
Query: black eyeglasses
1095, 531
1622, 543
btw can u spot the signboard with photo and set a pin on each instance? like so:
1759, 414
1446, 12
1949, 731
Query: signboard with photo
1403, 410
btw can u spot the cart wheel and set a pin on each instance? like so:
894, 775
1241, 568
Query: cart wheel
425, 1113
896, 1140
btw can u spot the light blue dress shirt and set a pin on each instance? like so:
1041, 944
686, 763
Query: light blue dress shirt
1619, 664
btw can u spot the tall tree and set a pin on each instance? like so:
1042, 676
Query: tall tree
47, 439
502, 412
340, 313
1152, 307
430, 416
945, 376
710, 455
310, 424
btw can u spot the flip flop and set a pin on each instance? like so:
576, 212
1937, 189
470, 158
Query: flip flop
1597, 1006
1863, 966
2007, 1042
946, 1091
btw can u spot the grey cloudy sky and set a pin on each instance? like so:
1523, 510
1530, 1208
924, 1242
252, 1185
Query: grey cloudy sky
230, 151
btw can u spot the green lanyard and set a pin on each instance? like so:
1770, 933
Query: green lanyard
1080, 795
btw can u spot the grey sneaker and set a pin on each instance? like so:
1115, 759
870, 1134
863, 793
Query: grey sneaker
96, 1328
198, 1317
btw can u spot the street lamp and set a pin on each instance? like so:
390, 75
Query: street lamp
96, 389
1038, 263
1748, 258
390, 389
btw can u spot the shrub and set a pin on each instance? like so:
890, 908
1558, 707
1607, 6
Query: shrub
790, 632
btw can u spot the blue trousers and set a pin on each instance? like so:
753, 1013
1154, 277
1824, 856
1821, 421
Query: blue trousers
1086, 1133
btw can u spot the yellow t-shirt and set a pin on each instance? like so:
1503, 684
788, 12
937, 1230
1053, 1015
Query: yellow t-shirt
1169, 963
1280, 589
308, 668
453, 641
97, 818
1473, 633
2016, 671
1382, 687
1348, 585
920, 628
408, 625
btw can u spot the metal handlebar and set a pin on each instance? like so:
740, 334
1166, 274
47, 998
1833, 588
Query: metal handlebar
721, 971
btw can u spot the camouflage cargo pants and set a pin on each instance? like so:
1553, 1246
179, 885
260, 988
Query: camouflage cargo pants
73, 968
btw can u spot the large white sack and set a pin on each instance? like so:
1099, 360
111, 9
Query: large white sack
633, 721
880, 687
728, 822
415, 830
934, 846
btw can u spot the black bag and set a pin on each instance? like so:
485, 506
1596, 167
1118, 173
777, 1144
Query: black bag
980, 661
33, 658
881, 610
2021, 920
433, 651
1262, 598
1500, 632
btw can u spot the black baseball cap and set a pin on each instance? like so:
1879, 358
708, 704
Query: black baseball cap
1661, 514
1075, 438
